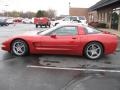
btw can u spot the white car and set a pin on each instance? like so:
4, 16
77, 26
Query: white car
71, 19
27, 21
10, 21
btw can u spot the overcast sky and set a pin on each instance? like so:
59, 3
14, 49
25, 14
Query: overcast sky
61, 6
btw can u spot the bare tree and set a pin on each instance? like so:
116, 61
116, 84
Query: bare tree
51, 13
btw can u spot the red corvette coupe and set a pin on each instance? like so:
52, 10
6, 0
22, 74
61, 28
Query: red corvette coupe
70, 39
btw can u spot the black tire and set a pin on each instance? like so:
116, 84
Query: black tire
36, 26
98, 50
45, 26
56, 24
49, 26
25, 48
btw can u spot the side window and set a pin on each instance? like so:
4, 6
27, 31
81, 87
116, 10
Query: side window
73, 18
81, 18
66, 31
66, 19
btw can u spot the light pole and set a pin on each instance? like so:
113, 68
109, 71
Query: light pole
69, 7
69, 4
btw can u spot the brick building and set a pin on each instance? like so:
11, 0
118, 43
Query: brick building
107, 11
78, 12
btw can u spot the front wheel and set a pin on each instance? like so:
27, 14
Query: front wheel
19, 48
93, 50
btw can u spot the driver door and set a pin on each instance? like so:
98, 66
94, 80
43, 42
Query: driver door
62, 40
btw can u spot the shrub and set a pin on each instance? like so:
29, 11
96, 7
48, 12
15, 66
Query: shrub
98, 25
102, 25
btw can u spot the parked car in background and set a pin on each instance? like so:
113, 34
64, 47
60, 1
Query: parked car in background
10, 20
32, 20
42, 21
18, 19
27, 21
3, 22
71, 19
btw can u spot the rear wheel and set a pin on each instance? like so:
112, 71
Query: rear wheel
40, 26
36, 26
49, 25
19, 48
93, 50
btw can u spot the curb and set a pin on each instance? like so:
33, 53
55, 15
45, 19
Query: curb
118, 50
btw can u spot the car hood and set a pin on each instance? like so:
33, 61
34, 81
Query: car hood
23, 36
29, 33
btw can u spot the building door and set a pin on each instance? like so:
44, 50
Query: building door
115, 20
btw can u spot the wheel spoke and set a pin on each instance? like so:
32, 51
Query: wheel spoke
89, 51
93, 46
16, 49
22, 46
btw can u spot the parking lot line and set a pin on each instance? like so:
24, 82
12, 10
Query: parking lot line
74, 69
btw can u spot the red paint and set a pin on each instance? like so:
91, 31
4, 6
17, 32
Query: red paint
71, 45
41, 21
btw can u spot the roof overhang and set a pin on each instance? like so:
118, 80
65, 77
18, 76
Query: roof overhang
103, 3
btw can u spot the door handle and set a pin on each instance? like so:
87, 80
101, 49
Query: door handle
74, 38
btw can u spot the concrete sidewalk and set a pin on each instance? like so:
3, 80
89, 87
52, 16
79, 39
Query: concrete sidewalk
111, 31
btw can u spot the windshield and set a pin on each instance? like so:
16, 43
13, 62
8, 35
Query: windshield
49, 30
82, 18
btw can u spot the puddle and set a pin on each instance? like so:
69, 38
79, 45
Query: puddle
52, 61
107, 62
59, 61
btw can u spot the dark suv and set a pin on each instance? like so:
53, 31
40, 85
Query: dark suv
3, 22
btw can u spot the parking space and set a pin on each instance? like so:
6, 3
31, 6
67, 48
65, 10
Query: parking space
16, 73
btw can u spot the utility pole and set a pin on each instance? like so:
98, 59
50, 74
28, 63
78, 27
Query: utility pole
119, 20
69, 4
69, 7
6, 10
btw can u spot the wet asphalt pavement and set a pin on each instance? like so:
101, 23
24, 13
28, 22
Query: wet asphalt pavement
16, 73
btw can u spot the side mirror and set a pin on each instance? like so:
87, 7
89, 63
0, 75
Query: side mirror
53, 36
